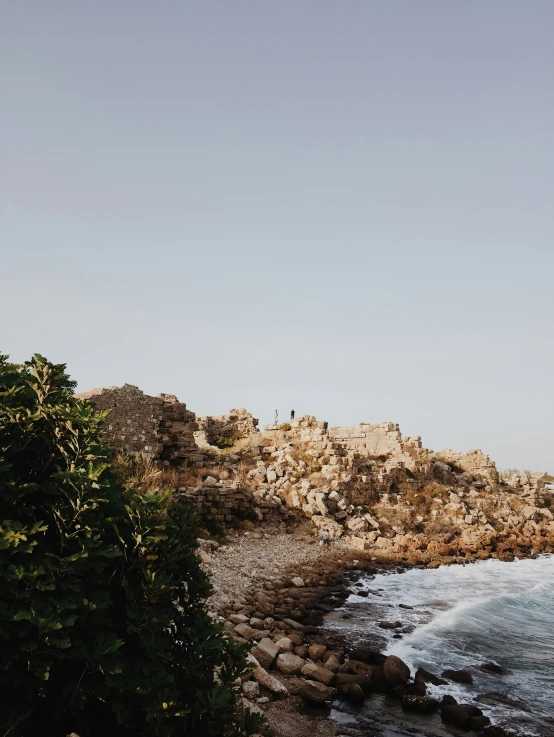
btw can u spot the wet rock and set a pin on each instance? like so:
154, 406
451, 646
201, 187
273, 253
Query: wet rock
315, 692
425, 676
448, 700
458, 676
416, 689
396, 671
367, 655
379, 682
318, 673
345, 679
420, 704
390, 625
479, 723
495, 732
494, 669
460, 714
359, 668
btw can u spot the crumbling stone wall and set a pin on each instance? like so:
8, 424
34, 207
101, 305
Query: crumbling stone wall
159, 427
222, 503
239, 423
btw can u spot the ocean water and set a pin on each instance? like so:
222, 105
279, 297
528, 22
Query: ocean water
464, 617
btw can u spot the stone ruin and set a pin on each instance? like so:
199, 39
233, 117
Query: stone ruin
162, 428
362, 481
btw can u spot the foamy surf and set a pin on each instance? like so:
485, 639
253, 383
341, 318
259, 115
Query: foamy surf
464, 617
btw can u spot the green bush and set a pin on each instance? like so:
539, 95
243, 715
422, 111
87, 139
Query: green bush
227, 441
101, 595
286, 426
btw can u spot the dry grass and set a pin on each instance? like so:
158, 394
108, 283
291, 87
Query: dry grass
144, 474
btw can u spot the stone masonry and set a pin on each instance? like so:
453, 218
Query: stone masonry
159, 427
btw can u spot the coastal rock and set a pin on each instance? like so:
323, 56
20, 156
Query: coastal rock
368, 655
460, 714
265, 679
285, 645
315, 692
317, 651
458, 676
396, 671
421, 704
318, 673
289, 664
426, 676
364, 682
390, 625
265, 652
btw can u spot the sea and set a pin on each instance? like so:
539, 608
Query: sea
477, 617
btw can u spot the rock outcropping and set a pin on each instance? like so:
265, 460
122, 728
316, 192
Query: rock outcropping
366, 482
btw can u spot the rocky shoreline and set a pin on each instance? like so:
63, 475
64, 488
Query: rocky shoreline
299, 669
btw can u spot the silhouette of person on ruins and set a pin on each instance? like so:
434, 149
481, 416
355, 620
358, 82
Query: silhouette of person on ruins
292, 415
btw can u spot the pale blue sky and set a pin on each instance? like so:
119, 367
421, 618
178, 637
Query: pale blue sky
341, 207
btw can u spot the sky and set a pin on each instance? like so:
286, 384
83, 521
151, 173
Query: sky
345, 208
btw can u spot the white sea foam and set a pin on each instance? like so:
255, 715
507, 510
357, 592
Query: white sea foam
464, 616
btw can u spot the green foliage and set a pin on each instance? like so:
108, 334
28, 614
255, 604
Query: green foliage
101, 594
286, 426
226, 441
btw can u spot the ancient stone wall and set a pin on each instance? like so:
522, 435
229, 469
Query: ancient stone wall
133, 422
222, 503
239, 423
159, 427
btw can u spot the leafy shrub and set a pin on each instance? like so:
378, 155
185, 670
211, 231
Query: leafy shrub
227, 441
286, 426
101, 594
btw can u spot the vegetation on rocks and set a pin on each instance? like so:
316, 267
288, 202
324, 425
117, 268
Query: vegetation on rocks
104, 629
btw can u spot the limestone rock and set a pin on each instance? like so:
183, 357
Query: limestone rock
318, 673
265, 652
315, 692
290, 664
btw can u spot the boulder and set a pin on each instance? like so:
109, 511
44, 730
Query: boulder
458, 676
390, 625
318, 673
290, 664
367, 655
332, 663
425, 676
285, 645
315, 692
359, 668
460, 714
265, 652
421, 704
345, 679
317, 651
354, 692
265, 679
244, 630
396, 671
297, 581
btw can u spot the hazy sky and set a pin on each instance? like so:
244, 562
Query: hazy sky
342, 207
